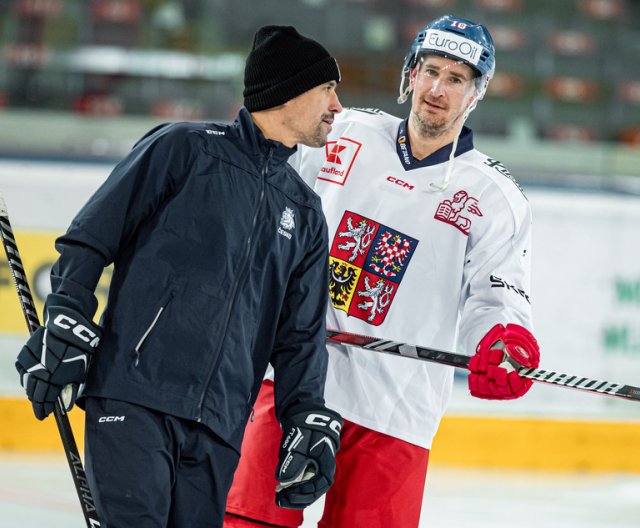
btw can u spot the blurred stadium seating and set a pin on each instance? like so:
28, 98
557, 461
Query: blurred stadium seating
568, 71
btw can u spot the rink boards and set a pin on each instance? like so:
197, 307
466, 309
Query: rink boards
586, 302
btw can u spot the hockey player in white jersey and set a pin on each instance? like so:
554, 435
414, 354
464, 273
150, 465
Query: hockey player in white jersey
430, 244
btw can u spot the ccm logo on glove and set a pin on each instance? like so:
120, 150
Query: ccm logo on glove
53, 362
307, 456
322, 421
80, 330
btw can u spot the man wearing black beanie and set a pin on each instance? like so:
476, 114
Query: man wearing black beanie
220, 268
281, 66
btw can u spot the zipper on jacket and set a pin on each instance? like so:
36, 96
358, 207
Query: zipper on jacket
236, 282
146, 334
138, 348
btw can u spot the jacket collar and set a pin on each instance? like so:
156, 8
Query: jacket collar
258, 144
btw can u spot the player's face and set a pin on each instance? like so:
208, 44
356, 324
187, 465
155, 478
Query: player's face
442, 90
309, 116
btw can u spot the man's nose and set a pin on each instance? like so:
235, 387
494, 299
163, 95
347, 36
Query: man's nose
334, 104
437, 88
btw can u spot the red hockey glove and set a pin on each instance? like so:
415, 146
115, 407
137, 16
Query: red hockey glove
493, 367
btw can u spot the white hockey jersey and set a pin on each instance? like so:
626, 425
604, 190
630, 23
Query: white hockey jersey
412, 265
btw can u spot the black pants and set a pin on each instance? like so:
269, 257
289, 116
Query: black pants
150, 470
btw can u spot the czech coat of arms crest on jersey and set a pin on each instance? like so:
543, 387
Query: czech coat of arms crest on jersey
367, 262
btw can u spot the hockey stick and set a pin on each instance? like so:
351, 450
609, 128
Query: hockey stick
62, 420
461, 361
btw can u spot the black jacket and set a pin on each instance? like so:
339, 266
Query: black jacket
220, 257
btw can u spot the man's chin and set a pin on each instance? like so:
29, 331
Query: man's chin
430, 127
317, 143
318, 140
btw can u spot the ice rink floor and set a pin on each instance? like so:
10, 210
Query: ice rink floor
38, 492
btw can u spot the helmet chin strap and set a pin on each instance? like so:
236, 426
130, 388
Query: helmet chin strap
404, 95
481, 88
444, 183
404, 92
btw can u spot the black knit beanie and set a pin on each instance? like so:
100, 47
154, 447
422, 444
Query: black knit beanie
283, 64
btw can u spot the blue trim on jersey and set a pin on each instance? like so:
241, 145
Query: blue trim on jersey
465, 144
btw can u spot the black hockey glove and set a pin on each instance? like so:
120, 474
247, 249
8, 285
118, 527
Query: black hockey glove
54, 361
307, 460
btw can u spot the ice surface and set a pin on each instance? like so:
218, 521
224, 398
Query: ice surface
37, 491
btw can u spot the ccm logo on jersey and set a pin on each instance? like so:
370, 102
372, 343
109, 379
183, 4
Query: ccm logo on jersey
400, 183
66, 322
323, 421
497, 282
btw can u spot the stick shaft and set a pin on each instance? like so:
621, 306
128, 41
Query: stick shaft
462, 361
62, 420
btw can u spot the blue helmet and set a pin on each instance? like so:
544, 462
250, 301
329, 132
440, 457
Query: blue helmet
458, 39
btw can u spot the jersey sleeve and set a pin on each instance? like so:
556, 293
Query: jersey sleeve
497, 271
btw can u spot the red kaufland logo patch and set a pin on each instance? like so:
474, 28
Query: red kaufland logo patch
367, 263
340, 156
457, 211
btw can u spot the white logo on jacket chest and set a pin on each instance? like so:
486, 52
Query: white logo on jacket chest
287, 223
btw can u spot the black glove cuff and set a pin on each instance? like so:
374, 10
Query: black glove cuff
64, 322
61, 300
319, 419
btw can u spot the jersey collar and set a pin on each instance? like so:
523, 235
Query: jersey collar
465, 144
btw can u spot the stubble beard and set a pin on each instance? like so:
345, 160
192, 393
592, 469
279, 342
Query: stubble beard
433, 128
429, 128
317, 137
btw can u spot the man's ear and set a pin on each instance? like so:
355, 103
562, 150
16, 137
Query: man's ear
412, 76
